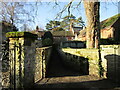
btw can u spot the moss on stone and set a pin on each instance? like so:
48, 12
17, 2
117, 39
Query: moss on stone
109, 21
21, 34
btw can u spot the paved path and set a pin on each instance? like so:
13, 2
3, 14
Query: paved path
85, 82
59, 76
57, 68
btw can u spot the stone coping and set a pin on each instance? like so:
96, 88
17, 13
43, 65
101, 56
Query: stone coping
110, 46
21, 34
79, 49
45, 47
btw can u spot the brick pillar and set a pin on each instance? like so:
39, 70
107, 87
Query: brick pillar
21, 59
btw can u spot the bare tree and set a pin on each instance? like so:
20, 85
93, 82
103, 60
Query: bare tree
93, 23
17, 13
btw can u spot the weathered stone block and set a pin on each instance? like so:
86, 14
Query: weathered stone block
22, 59
111, 53
42, 60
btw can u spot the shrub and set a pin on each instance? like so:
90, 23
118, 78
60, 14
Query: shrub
47, 39
47, 34
47, 42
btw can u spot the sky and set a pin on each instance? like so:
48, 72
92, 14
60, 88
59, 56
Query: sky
47, 12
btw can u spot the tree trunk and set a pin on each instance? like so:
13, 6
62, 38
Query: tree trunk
93, 23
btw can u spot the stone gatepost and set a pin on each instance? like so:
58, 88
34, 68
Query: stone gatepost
21, 59
110, 55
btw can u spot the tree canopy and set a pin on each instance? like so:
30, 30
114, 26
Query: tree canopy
64, 24
52, 24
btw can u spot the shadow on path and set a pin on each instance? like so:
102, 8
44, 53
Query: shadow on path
59, 76
57, 68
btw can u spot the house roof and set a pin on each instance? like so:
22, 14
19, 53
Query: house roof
56, 33
82, 33
62, 33
110, 21
39, 33
106, 23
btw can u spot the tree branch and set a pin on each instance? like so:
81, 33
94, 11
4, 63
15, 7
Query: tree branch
64, 9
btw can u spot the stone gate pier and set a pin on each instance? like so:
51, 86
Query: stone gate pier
110, 55
21, 59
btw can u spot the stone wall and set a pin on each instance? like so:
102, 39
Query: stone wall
110, 60
29, 63
110, 55
21, 59
42, 59
4, 64
91, 54
75, 62
73, 44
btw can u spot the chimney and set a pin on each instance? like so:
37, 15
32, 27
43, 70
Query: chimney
71, 26
37, 28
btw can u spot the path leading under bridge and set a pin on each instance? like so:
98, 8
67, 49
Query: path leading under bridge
60, 76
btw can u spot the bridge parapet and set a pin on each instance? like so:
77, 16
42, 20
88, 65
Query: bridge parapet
74, 61
79, 54
42, 59
105, 62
